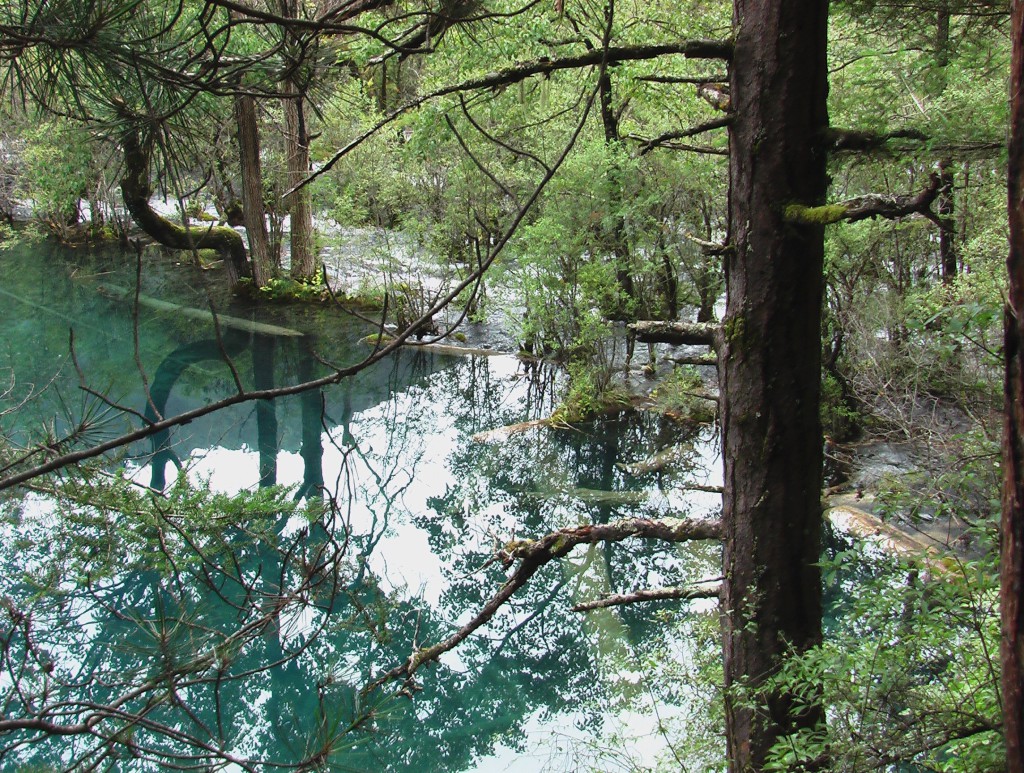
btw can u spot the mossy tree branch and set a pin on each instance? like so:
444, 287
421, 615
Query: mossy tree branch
868, 206
136, 192
678, 333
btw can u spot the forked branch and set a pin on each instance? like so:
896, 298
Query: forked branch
534, 554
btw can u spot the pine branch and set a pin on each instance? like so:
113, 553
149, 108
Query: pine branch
695, 49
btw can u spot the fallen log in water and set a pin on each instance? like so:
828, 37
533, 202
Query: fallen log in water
503, 433
657, 462
845, 515
377, 339
591, 496
204, 315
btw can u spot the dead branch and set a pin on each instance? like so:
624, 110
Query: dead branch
718, 123
706, 247
698, 80
534, 554
693, 333
696, 359
715, 94
652, 594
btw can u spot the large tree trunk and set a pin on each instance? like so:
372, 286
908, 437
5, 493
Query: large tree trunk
1012, 542
770, 367
136, 192
253, 210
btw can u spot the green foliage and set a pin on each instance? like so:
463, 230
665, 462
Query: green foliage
839, 420
909, 676
589, 395
682, 395
59, 170
288, 290
909, 670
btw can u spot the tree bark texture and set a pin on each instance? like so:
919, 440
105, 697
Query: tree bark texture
253, 213
136, 192
944, 209
301, 213
1012, 538
770, 367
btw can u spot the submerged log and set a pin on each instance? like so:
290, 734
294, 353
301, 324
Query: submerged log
657, 462
591, 496
498, 434
378, 339
678, 333
204, 315
848, 517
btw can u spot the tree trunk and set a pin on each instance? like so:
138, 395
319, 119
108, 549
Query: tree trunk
947, 226
253, 213
1012, 542
770, 362
617, 243
297, 151
136, 192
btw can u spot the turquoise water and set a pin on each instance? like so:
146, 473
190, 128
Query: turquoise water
404, 505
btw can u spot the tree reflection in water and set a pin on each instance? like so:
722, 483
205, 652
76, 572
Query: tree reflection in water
194, 627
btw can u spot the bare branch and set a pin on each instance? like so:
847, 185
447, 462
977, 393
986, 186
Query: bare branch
534, 554
698, 80
653, 594
717, 123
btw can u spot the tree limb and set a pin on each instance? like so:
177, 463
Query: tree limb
889, 206
652, 594
855, 140
534, 554
698, 80
693, 333
717, 123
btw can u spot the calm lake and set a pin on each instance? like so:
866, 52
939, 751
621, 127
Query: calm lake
394, 480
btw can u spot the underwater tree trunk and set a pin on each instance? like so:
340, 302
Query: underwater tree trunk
769, 368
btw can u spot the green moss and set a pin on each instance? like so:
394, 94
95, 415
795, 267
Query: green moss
823, 215
734, 330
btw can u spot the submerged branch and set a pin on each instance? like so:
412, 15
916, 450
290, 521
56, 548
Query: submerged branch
534, 554
651, 594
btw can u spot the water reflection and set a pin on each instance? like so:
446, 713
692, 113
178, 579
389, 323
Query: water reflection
193, 625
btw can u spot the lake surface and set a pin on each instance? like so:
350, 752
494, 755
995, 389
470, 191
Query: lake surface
391, 484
